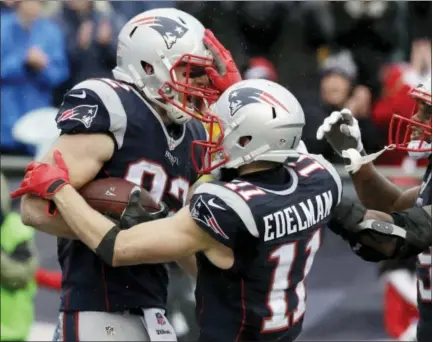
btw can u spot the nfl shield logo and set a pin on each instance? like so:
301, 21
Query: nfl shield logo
160, 318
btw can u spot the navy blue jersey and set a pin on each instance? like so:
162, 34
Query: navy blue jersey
146, 153
274, 229
424, 332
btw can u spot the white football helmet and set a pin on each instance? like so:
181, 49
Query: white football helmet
261, 111
414, 134
151, 45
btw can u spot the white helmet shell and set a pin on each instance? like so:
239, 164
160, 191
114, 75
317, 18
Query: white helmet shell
159, 37
265, 112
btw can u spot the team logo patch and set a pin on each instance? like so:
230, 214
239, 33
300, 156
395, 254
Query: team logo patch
169, 29
200, 211
84, 113
241, 97
160, 319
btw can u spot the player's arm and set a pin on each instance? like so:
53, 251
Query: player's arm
92, 121
377, 192
342, 132
377, 236
84, 155
159, 241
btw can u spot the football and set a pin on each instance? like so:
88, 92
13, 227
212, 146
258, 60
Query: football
110, 196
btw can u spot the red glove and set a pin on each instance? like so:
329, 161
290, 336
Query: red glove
44, 180
226, 72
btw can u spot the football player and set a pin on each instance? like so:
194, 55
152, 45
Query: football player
410, 210
136, 126
256, 232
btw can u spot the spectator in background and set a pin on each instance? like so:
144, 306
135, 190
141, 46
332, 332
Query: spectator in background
18, 266
129, 9
33, 62
419, 22
6, 6
91, 40
338, 90
368, 29
260, 67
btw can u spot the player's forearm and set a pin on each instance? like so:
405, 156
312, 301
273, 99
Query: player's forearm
374, 190
88, 225
34, 213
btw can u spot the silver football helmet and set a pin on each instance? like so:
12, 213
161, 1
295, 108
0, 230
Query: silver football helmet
259, 120
151, 45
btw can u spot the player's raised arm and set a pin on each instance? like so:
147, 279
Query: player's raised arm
92, 123
374, 190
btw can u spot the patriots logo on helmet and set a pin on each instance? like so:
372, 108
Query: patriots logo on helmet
201, 212
169, 29
84, 113
239, 98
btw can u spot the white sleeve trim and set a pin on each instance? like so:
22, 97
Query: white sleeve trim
234, 201
331, 169
113, 104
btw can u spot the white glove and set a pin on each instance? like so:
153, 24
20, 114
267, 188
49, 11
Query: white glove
342, 132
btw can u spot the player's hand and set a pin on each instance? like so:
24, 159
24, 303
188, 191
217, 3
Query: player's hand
44, 180
226, 72
342, 131
135, 214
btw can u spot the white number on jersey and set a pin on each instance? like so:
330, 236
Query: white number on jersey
245, 194
310, 168
284, 257
178, 187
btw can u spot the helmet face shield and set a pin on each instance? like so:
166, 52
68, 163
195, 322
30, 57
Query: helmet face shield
413, 134
208, 155
403, 130
189, 89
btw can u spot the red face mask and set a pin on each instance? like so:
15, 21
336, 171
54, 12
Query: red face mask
402, 129
208, 155
199, 96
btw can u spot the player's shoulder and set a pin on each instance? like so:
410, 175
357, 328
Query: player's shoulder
107, 91
96, 105
316, 166
220, 199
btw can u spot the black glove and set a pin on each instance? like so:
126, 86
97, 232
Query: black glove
135, 213
417, 223
346, 219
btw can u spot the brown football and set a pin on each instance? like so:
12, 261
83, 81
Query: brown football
111, 195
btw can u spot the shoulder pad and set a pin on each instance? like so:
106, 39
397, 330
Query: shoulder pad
106, 97
331, 170
216, 192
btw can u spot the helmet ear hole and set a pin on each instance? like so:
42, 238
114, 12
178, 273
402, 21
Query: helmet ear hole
148, 69
245, 140
274, 113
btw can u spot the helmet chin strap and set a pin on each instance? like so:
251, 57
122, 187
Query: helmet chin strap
356, 160
419, 155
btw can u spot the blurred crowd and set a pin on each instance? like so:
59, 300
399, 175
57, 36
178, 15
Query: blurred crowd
363, 55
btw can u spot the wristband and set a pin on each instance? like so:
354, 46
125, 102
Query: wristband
105, 249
